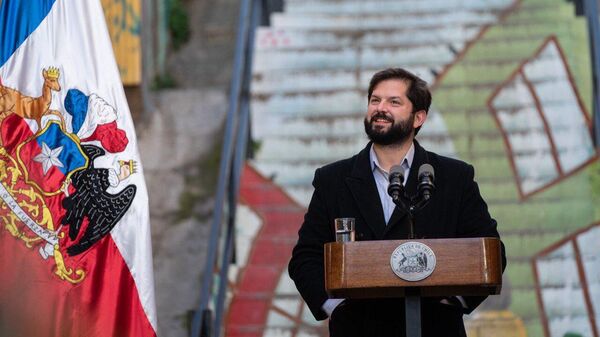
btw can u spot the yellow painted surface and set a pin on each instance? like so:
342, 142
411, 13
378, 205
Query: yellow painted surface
495, 324
123, 18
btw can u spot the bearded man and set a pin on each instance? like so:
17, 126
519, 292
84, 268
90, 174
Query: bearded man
398, 103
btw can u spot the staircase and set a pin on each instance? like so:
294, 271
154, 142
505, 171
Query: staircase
310, 76
313, 65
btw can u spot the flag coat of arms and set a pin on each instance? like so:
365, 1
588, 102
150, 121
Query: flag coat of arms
75, 254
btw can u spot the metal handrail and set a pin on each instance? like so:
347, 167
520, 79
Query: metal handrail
591, 12
233, 155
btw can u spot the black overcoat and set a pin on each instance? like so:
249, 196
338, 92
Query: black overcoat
347, 188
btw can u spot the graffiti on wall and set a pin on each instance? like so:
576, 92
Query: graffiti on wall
123, 18
512, 93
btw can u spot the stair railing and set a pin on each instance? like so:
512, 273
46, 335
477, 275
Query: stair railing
208, 318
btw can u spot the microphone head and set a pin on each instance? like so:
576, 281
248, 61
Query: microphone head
397, 170
426, 169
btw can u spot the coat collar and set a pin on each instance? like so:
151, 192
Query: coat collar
364, 190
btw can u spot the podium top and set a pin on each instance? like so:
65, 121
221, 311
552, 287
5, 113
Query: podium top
467, 267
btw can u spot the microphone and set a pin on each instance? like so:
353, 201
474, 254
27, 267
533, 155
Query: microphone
396, 178
426, 178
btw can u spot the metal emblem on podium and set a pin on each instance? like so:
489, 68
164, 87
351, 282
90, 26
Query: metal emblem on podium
413, 261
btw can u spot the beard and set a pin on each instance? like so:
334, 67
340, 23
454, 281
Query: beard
398, 133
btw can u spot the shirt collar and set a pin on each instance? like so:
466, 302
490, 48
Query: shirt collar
407, 161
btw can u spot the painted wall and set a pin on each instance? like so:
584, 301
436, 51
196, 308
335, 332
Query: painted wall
123, 18
518, 107
512, 90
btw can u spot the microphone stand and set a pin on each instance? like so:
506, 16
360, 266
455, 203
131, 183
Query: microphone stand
412, 295
416, 203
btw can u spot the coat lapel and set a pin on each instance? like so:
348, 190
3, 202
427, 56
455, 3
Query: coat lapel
364, 191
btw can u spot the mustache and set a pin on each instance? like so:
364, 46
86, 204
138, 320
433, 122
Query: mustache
381, 115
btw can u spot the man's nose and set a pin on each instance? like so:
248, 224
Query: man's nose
382, 106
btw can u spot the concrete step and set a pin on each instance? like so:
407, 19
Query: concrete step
392, 6
314, 81
289, 137
342, 103
293, 150
301, 81
289, 174
351, 58
297, 152
292, 162
335, 127
308, 38
382, 21
295, 82
303, 193
269, 111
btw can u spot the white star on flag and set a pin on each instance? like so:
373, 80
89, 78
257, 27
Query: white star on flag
49, 157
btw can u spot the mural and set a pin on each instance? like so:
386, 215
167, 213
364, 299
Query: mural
511, 84
569, 269
526, 124
545, 143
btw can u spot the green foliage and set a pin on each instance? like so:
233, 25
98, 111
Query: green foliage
572, 334
164, 81
200, 184
179, 27
254, 146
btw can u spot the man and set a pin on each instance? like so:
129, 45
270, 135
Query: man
398, 102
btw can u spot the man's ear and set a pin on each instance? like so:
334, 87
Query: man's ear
420, 118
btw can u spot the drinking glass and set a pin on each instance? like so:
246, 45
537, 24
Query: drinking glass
344, 229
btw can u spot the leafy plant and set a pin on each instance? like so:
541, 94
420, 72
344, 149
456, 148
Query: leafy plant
179, 27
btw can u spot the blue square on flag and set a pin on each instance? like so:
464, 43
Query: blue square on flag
50, 157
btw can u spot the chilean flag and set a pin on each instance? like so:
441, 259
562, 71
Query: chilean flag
49, 48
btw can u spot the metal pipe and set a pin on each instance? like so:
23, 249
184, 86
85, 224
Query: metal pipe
238, 162
591, 13
148, 65
225, 165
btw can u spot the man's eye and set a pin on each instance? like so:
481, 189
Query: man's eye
395, 102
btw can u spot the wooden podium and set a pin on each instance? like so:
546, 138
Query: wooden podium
464, 267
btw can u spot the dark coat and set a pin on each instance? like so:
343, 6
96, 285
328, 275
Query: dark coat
347, 189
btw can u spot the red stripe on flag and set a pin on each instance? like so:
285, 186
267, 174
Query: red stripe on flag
35, 302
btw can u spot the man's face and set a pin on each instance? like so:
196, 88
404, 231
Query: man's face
389, 117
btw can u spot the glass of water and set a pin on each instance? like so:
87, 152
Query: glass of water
344, 230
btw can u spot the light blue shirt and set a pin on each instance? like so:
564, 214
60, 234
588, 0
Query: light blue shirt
382, 179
